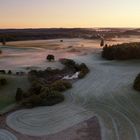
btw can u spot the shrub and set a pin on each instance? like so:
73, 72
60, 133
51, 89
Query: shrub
83, 70
137, 83
52, 100
81, 75
47, 97
61, 85
35, 100
67, 62
35, 88
27, 103
50, 57
27, 94
17, 73
32, 101
51, 97
3, 81
67, 84
32, 75
2, 71
9, 72
84, 67
19, 95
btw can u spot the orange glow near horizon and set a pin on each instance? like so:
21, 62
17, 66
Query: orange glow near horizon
69, 13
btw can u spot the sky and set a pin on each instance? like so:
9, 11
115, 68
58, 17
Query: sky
69, 13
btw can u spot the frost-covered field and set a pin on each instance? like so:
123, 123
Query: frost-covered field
6, 135
25, 55
106, 92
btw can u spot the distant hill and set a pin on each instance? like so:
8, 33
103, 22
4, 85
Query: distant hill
54, 33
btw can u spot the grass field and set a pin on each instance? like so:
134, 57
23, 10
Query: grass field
7, 92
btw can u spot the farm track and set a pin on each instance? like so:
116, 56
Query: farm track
106, 92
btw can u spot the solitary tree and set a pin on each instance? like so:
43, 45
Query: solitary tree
50, 57
9, 72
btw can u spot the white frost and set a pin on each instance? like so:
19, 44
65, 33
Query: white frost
6, 135
106, 91
75, 76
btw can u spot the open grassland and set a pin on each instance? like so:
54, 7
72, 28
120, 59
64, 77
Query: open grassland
56, 43
7, 92
106, 93
21, 55
25, 55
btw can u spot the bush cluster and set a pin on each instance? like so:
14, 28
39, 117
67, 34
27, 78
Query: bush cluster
122, 51
67, 62
42, 95
49, 75
83, 70
47, 85
70, 64
46, 97
61, 85
4, 72
137, 83
3, 82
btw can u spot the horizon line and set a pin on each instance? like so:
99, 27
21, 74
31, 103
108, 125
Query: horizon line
70, 28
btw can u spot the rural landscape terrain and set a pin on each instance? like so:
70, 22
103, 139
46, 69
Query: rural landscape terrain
70, 70
70, 84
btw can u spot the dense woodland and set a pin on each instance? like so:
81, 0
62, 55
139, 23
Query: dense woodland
123, 51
